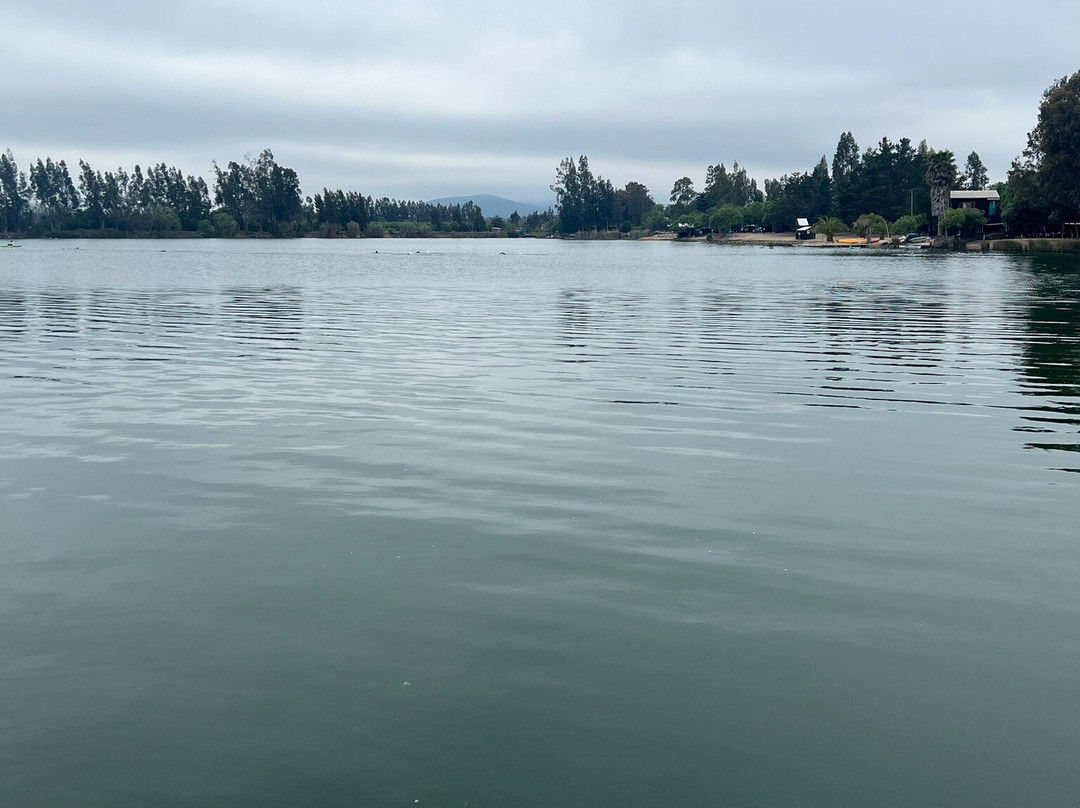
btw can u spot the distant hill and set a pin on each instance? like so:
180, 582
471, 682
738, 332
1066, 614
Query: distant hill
490, 205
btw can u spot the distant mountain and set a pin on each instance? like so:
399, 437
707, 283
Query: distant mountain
490, 205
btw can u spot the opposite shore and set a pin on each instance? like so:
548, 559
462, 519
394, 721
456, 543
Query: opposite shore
1001, 245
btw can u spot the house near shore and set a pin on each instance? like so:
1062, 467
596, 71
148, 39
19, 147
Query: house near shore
988, 202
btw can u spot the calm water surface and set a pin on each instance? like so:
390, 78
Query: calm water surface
303, 523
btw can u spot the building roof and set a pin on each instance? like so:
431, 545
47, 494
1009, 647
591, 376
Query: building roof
987, 194
802, 222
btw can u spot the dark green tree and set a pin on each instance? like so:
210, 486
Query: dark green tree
1024, 203
683, 194
277, 191
726, 218
133, 199
234, 192
823, 191
635, 202
569, 196
92, 189
757, 214
14, 194
889, 178
479, 223
112, 197
54, 191
845, 165
723, 187
974, 177
603, 212
584, 202
259, 193
794, 196
1054, 146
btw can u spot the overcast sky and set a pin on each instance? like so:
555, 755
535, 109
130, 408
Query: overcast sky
422, 99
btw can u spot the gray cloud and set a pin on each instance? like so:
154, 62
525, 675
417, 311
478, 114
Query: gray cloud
420, 99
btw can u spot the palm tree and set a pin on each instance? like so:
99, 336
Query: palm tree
830, 227
940, 176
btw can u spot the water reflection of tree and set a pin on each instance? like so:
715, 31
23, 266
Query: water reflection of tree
12, 314
890, 320
59, 311
574, 311
270, 315
1051, 368
1052, 353
573, 307
598, 325
880, 341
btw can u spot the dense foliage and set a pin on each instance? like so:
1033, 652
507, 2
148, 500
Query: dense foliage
888, 180
1043, 188
899, 187
48, 200
254, 197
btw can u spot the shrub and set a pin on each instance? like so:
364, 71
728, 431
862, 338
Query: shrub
224, 225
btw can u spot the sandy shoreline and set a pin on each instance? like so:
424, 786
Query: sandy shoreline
760, 239
1015, 245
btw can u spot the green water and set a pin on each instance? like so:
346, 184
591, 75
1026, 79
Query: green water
303, 523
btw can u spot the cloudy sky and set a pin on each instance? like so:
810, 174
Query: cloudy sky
419, 99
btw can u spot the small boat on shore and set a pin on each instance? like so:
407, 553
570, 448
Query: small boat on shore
856, 242
914, 241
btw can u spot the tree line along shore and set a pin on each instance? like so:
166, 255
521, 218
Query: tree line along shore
894, 186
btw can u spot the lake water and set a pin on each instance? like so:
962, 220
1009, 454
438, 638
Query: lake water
397, 523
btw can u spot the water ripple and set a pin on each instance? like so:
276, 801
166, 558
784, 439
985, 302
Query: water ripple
260, 485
